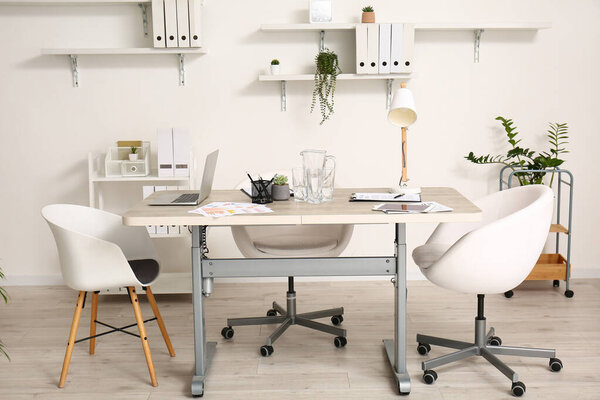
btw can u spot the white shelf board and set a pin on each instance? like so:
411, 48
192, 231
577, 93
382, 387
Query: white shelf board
309, 27
166, 235
152, 177
426, 26
67, 2
311, 77
124, 51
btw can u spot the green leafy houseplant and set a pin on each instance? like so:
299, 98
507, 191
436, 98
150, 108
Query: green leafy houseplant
523, 159
4, 296
133, 150
280, 180
325, 79
274, 61
368, 9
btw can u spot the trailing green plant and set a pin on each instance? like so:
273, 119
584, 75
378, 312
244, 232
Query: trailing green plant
274, 61
134, 150
327, 70
368, 9
4, 296
280, 180
522, 159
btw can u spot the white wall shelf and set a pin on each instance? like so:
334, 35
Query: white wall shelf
69, 2
74, 53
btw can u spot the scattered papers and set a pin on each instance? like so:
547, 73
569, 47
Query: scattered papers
222, 209
385, 197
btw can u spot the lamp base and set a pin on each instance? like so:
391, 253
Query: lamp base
405, 189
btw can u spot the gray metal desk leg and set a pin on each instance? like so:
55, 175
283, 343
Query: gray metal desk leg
203, 351
396, 349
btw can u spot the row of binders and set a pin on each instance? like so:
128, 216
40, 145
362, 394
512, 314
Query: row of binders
177, 23
384, 48
174, 152
171, 230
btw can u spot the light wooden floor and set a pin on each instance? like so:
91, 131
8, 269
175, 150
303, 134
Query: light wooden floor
305, 364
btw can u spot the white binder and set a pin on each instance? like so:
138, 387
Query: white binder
195, 13
182, 145
161, 229
171, 23
147, 191
183, 23
385, 43
372, 48
158, 23
361, 49
408, 48
396, 49
165, 152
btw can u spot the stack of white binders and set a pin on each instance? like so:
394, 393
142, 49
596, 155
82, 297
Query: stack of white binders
384, 48
174, 152
177, 23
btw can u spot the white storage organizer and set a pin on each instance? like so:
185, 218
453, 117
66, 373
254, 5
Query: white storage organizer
117, 161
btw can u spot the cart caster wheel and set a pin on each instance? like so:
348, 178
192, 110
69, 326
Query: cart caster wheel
556, 283
429, 377
272, 313
227, 332
401, 393
518, 389
569, 293
494, 341
423, 348
337, 319
266, 351
509, 294
555, 364
340, 341
200, 391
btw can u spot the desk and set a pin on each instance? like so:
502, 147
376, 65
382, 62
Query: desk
338, 211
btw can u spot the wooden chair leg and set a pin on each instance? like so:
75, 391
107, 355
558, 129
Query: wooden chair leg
93, 319
72, 336
140, 323
159, 320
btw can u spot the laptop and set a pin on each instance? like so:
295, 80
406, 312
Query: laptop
190, 199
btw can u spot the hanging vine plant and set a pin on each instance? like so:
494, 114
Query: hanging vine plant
325, 78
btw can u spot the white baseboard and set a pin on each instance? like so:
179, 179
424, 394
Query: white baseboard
33, 280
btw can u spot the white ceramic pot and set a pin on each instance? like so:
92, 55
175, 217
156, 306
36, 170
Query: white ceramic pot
275, 69
133, 157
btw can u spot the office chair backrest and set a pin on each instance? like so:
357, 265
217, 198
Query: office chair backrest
94, 246
496, 254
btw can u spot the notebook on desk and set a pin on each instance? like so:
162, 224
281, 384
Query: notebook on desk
410, 197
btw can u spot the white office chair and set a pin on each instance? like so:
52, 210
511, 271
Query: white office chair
291, 241
98, 252
491, 256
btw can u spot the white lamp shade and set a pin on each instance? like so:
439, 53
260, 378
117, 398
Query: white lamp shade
403, 111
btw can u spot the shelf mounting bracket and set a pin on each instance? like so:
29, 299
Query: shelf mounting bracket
389, 94
283, 96
143, 7
74, 70
181, 69
478, 33
322, 41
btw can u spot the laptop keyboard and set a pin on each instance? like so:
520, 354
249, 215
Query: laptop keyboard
187, 198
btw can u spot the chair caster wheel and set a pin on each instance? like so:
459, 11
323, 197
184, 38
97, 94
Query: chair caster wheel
337, 319
556, 283
429, 377
272, 313
509, 294
569, 293
340, 341
518, 389
555, 364
494, 341
266, 351
227, 332
423, 348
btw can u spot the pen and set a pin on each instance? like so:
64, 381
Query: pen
400, 195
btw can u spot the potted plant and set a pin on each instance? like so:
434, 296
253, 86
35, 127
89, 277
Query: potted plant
4, 296
281, 189
523, 159
328, 69
133, 156
368, 15
275, 67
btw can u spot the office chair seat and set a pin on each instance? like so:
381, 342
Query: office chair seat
146, 271
295, 245
426, 255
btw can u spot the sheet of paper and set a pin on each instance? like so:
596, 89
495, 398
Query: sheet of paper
385, 197
222, 209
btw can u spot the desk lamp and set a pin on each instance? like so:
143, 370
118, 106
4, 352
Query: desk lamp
403, 113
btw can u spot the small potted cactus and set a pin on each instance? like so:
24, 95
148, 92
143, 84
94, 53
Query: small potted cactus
281, 189
275, 67
133, 156
368, 15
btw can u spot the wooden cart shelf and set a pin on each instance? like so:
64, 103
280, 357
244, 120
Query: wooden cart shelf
549, 267
558, 228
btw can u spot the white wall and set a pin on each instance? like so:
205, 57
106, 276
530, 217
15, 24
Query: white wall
47, 126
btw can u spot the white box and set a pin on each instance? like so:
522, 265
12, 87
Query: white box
116, 162
183, 23
147, 191
173, 229
372, 48
385, 40
165, 152
195, 13
158, 23
182, 144
361, 49
171, 23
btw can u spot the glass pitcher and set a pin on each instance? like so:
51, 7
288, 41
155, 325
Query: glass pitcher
313, 162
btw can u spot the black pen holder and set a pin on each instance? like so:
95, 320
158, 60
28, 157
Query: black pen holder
262, 191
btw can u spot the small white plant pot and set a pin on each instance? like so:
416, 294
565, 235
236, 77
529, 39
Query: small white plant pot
275, 69
133, 157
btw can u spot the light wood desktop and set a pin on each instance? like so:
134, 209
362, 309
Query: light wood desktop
338, 211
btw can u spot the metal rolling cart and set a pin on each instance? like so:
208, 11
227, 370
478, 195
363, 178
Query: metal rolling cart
550, 266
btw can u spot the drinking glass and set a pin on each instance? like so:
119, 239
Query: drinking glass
328, 182
299, 184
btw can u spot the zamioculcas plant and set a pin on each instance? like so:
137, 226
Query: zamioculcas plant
325, 79
274, 61
133, 150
